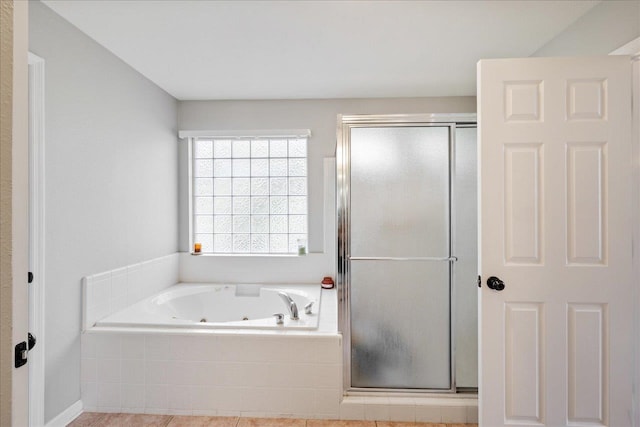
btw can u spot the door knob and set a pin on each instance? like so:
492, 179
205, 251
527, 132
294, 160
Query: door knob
495, 283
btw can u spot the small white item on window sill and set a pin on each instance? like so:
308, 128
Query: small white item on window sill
302, 247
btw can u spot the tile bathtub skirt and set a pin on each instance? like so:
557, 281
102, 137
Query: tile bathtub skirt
212, 374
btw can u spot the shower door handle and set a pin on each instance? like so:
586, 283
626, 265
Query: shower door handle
494, 283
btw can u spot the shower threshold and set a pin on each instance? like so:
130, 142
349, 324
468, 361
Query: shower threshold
417, 407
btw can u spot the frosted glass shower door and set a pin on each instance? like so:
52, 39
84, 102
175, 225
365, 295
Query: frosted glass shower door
399, 249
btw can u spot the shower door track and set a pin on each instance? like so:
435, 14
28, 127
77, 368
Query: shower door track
343, 161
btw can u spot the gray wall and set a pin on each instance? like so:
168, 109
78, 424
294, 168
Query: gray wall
600, 31
111, 181
318, 115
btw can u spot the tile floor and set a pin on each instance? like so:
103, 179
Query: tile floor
95, 419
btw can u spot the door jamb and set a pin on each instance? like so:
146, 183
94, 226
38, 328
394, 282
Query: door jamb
635, 123
36, 238
633, 48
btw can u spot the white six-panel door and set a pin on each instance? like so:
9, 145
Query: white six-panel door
555, 219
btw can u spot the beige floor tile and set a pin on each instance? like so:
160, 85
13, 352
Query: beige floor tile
340, 423
86, 419
271, 422
407, 424
133, 420
187, 421
94, 419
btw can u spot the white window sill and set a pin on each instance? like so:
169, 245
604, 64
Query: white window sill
249, 255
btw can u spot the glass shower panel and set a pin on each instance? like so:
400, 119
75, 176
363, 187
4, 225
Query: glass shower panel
399, 188
466, 249
400, 324
399, 208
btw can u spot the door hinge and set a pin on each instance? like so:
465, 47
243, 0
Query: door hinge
22, 350
29, 277
21, 354
479, 281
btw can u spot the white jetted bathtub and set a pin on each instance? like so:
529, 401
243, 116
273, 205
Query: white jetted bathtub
217, 306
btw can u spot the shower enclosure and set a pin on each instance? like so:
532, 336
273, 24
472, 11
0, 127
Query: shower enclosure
407, 252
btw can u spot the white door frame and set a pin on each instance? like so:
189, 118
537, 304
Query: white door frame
636, 244
16, 247
636, 240
36, 238
633, 48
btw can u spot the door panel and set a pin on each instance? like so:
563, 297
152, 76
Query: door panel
523, 177
555, 218
400, 324
524, 365
400, 191
587, 359
586, 203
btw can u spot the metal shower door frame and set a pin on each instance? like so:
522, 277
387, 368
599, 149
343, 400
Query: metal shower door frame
343, 204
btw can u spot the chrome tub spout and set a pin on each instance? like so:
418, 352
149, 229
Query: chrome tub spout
291, 305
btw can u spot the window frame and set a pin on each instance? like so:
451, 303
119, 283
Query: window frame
193, 136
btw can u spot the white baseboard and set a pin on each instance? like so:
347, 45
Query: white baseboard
66, 416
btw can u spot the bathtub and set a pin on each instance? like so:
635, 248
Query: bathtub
220, 306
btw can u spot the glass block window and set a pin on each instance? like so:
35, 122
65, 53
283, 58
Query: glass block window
249, 194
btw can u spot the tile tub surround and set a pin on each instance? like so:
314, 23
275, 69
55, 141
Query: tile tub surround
105, 293
215, 372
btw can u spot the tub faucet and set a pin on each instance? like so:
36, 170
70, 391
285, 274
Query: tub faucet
291, 305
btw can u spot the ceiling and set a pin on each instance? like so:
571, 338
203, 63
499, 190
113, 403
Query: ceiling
198, 49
